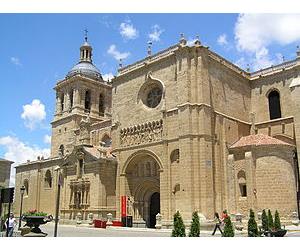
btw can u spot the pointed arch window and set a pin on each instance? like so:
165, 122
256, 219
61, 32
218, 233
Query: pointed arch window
87, 101
48, 179
274, 105
242, 183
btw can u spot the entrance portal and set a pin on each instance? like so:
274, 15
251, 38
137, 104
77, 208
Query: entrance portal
154, 208
143, 183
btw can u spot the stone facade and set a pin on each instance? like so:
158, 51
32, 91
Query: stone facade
179, 122
5, 167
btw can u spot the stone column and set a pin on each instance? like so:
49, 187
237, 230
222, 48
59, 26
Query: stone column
250, 180
231, 181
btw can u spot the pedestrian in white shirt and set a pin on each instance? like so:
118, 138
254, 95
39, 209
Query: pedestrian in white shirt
11, 223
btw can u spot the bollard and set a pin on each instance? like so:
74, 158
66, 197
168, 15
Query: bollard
79, 218
109, 220
91, 217
158, 221
239, 224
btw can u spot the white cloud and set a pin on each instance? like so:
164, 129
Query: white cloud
222, 40
33, 114
20, 152
128, 31
47, 139
108, 76
15, 61
156, 31
255, 32
112, 50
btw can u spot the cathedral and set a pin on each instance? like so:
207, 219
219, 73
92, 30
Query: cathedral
180, 130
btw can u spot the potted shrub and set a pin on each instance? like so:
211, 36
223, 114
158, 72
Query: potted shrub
34, 219
228, 228
179, 228
273, 228
252, 225
195, 227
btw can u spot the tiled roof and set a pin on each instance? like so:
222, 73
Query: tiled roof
257, 140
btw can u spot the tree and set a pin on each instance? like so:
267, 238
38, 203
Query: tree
252, 225
228, 229
264, 221
178, 227
195, 227
270, 220
277, 224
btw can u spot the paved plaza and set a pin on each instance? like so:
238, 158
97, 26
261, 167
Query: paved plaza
83, 231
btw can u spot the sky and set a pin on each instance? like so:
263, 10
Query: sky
37, 50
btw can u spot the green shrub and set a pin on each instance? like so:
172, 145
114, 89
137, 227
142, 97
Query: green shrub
228, 229
264, 221
178, 227
270, 220
195, 227
277, 224
252, 225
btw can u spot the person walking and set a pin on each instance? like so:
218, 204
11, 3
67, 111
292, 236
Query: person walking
218, 224
11, 223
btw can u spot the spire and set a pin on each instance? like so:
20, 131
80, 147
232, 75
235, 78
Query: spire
182, 40
86, 49
298, 52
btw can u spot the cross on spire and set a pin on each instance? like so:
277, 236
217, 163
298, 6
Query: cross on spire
85, 34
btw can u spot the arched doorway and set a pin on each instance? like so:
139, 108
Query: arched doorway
154, 209
142, 185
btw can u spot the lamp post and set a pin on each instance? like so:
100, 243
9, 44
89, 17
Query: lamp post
59, 183
22, 191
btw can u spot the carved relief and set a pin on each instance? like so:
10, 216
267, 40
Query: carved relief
141, 133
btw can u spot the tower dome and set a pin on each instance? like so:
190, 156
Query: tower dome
85, 66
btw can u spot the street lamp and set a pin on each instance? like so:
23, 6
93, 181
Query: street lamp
59, 183
22, 191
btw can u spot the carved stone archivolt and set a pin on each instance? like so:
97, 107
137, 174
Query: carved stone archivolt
141, 133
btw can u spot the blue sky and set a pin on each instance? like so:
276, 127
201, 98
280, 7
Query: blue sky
39, 49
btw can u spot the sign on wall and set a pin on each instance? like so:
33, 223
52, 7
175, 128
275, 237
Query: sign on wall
123, 205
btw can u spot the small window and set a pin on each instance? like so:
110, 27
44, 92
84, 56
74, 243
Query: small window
101, 105
106, 141
48, 179
243, 190
62, 102
174, 156
274, 105
71, 98
81, 167
87, 101
61, 150
242, 183
26, 185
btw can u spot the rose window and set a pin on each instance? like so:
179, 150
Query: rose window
154, 97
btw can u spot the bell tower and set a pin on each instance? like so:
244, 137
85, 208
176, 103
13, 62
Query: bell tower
81, 95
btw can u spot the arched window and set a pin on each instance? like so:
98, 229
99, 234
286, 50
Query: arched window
106, 141
101, 105
274, 105
48, 179
242, 183
62, 102
87, 101
71, 98
174, 157
61, 150
26, 185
